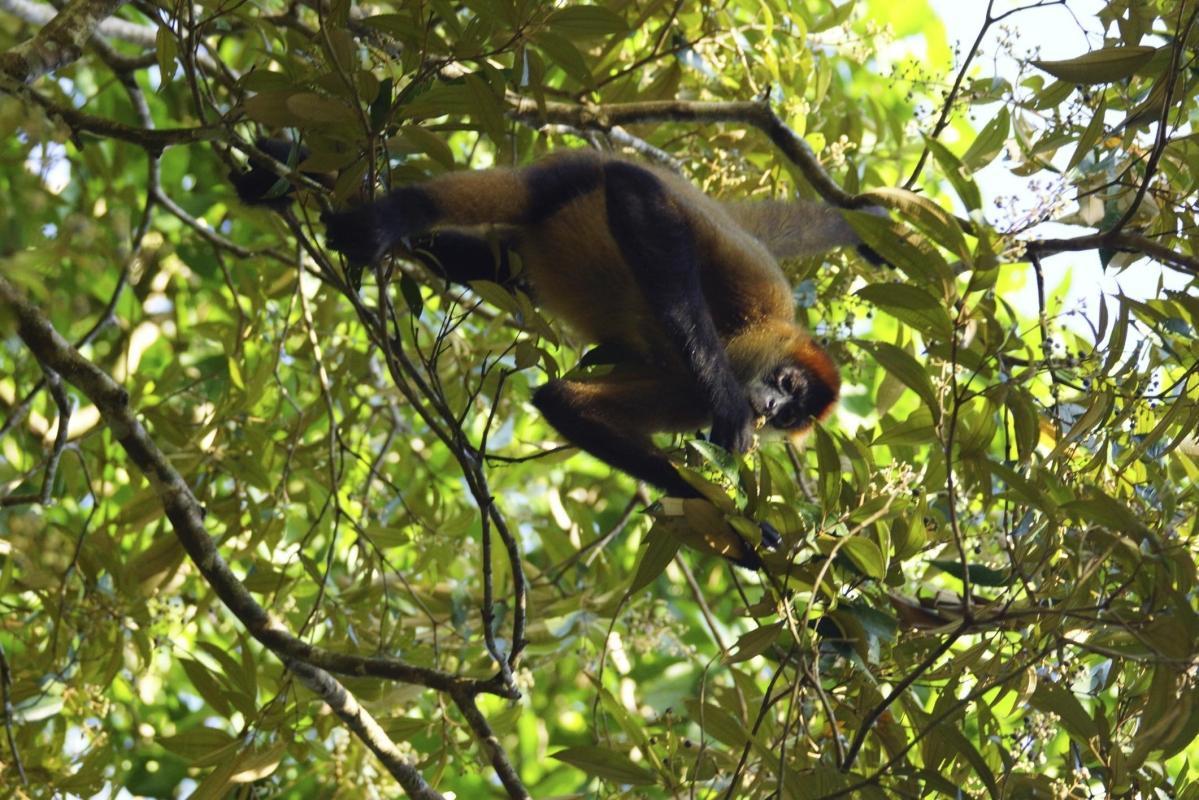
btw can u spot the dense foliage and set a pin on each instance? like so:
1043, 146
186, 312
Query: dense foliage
988, 585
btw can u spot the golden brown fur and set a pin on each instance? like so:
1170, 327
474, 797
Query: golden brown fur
688, 289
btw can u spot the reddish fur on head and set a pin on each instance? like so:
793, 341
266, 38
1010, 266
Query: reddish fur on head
759, 351
817, 361
826, 384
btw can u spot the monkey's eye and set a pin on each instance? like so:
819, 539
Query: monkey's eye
787, 380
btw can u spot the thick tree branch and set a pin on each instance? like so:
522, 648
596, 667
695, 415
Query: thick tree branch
152, 140
114, 27
755, 113
187, 515
760, 115
491, 746
359, 720
59, 43
1130, 242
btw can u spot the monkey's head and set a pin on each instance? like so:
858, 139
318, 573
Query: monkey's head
796, 386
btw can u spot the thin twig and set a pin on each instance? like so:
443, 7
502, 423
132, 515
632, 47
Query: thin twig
6, 708
187, 515
899, 688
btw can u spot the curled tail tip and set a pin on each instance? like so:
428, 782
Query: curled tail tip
871, 255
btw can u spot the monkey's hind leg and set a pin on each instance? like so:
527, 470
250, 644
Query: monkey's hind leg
611, 419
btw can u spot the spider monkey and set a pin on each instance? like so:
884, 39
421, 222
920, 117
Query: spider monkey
686, 289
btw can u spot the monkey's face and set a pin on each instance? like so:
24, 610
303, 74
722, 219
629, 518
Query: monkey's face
793, 395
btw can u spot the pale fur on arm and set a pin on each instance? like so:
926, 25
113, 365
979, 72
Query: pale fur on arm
794, 228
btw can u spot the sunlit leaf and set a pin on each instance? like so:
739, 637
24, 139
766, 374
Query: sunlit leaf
1099, 66
603, 762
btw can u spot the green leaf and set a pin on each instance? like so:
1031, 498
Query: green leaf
579, 22
929, 216
1026, 427
838, 16
989, 142
562, 53
1097, 411
413, 298
487, 109
866, 556
38, 708
1100, 509
270, 108
380, 107
166, 52
1024, 487
1099, 66
908, 370
425, 141
440, 100
957, 173
980, 575
405, 729
497, 295
207, 686
606, 763
904, 247
911, 305
917, 429
317, 108
965, 748
718, 723
718, 457
908, 536
1061, 701
660, 549
754, 643
199, 744
829, 463
1089, 136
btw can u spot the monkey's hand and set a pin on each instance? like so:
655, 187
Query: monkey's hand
733, 423
364, 234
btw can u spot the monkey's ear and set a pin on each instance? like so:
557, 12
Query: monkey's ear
260, 185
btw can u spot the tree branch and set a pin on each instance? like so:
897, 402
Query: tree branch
114, 27
491, 746
187, 516
1130, 242
59, 43
6, 712
153, 140
360, 721
754, 113
65, 408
